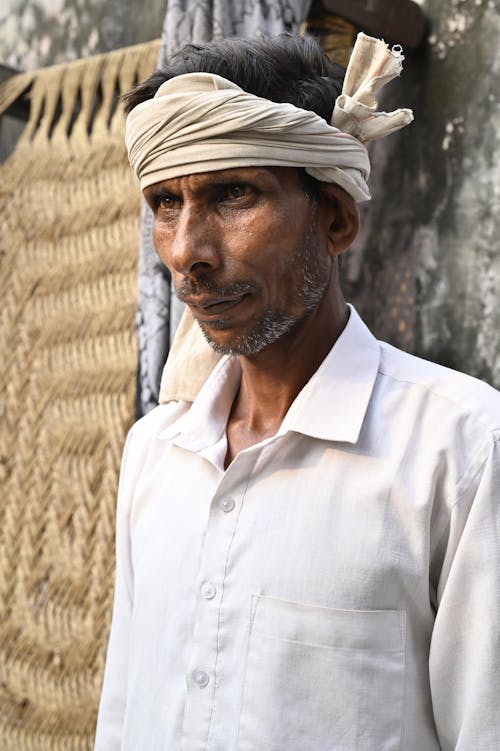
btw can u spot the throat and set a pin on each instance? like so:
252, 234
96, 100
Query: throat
241, 435
253, 418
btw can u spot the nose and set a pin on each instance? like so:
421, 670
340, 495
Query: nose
189, 243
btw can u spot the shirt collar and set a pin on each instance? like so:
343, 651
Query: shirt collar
206, 419
331, 406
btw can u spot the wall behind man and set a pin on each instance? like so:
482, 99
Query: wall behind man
35, 33
425, 271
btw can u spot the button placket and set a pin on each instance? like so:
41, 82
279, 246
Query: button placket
203, 663
214, 566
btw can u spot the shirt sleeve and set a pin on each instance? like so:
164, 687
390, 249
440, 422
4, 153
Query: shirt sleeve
464, 658
114, 689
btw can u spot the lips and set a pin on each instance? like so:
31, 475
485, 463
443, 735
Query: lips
213, 307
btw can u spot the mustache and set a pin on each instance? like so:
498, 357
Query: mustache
197, 287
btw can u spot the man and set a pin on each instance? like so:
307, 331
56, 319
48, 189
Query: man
308, 533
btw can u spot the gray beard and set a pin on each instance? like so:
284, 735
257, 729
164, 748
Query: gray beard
268, 329
274, 324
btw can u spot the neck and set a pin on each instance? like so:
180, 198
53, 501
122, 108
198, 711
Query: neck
273, 378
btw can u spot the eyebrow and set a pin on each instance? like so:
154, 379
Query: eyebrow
214, 181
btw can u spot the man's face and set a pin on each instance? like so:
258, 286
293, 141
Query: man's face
244, 252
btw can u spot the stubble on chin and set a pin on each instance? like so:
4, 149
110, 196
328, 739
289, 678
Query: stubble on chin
270, 327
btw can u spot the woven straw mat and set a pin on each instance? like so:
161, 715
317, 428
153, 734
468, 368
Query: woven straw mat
68, 251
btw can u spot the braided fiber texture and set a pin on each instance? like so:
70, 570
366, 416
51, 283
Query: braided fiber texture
68, 255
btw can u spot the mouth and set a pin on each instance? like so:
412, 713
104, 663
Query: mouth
208, 308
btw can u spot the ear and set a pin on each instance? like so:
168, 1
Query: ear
341, 217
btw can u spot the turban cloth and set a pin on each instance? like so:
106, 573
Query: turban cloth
201, 122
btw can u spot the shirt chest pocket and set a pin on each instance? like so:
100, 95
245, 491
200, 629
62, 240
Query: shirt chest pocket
320, 679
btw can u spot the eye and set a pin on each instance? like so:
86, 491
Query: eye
236, 191
165, 201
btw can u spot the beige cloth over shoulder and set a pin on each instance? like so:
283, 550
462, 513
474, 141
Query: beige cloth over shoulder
200, 122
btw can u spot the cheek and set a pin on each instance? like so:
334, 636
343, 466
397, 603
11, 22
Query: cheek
268, 238
162, 242
285, 225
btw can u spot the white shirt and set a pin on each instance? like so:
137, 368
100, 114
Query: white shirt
337, 588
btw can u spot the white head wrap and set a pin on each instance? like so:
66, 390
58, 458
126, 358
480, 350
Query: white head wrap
201, 122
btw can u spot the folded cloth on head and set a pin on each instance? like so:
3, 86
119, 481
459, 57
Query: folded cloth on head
201, 122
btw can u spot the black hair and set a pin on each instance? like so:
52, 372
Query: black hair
284, 68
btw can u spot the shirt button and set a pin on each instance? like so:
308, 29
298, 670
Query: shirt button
201, 678
227, 505
208, 590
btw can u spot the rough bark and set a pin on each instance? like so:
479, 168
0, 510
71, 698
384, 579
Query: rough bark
425, 271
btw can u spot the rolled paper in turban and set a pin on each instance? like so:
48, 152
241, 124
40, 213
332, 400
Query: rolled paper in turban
201, 122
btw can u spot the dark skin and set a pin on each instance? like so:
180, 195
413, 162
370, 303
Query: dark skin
230, 240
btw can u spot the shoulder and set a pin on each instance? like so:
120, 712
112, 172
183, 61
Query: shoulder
162, 417
146, 433
445, 424
442, 390
144, 446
